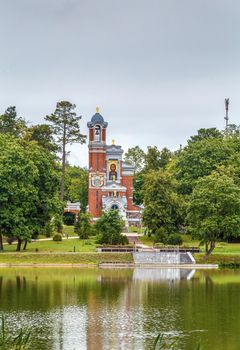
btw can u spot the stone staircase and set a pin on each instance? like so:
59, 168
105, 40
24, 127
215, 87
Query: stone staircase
133, 240
162, 258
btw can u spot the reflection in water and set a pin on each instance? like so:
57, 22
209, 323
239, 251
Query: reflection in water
168, 274
70, 328
123, 309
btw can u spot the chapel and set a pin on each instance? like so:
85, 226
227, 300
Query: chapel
110, 178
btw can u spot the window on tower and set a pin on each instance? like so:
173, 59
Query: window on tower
97, 133
114, 207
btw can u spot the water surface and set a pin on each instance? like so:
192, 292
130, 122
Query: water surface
99, 309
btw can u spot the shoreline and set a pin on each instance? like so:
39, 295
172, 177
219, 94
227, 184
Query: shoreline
115, 265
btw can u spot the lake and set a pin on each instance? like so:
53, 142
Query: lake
98, 309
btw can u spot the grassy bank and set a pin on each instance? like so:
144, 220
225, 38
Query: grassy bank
64, 258
223, 260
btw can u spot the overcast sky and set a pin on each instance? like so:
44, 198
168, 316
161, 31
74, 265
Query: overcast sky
158, 70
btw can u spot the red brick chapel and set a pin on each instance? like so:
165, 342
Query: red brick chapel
110, 178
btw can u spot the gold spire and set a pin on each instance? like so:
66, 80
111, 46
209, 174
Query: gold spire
97, 109
113, 142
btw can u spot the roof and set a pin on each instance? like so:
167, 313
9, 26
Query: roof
97, 118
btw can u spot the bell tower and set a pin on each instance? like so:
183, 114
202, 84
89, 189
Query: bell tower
97, 162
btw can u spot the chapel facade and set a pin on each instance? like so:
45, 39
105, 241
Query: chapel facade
110, 178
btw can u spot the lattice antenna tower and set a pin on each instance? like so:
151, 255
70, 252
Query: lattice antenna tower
226, 113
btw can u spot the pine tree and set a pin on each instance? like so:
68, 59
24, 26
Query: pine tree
67, 130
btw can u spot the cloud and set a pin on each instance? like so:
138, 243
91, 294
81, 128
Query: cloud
158, 69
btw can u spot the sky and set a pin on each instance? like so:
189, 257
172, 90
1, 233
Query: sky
158, 70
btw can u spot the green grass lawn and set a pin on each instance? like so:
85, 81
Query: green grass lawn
66, 245
221, 247
147, 240
69, 230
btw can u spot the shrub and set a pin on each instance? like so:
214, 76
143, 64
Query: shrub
109, 228
58, 223
57, 237
112, 239
161, 236
174, 239
83, 226
48, 230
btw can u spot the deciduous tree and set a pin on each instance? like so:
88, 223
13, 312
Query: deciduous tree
11, 123
28, 188
43, 135
161, 202
200, 158
76, 185
210, 133
214, 209
135, 156
157, 159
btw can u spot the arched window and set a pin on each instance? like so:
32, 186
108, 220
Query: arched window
97, 133
114, 207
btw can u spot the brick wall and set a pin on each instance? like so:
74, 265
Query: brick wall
95, 202
127, 181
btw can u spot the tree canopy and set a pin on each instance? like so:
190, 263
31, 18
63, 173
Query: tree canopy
200, 158
109, 227
28, 187
12, 124
161, 202
76, 185
214, 209
43, 135
135, 156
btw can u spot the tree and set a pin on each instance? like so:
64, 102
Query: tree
200, 158
17, 192
76, 185
135, 156
156, 159
214, 209
152, 159
83, 226
161, 203
11, 123
48, 204
43, 135
109, 228
210, 133
232, 130
28, 187
66, 127
138, 183
165, 157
